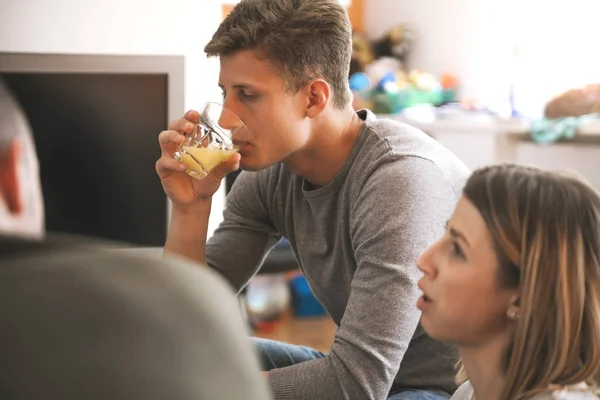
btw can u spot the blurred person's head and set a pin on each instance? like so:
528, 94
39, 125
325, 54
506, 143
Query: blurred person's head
284, 66
519, 268
21, 203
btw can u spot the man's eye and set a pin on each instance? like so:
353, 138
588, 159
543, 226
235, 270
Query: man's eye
247, 96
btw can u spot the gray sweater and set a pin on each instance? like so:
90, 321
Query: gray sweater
357, 240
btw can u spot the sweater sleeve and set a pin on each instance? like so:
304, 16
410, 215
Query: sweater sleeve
240, 244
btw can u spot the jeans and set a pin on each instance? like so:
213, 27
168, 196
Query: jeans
273, 354
419, 395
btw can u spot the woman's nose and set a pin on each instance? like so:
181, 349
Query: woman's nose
426, 261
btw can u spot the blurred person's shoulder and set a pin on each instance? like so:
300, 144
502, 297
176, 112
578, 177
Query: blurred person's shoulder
19, 246
62, 251
90, 251
68, 291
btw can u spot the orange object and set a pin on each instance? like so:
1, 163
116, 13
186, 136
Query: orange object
356, 12
267, 326
449, 81
226, 9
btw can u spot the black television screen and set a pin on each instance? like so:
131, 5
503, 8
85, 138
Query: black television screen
96, 139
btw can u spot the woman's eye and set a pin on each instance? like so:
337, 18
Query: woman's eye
457, 250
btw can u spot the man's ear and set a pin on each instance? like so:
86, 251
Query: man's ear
318, 92
10, 185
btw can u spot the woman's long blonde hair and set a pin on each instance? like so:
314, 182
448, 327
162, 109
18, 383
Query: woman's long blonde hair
546, 231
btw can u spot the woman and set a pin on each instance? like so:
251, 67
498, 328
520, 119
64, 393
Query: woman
515, 283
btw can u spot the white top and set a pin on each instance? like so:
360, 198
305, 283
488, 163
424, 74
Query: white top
574, 392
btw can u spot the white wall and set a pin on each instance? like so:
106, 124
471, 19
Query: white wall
580, 158
468, 38
171, 27
560, 53
488, 44
545, 46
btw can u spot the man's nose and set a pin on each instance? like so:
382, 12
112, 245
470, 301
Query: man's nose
228, 120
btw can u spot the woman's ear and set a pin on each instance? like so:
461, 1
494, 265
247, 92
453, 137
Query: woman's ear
10, 185
513, 309
318, 92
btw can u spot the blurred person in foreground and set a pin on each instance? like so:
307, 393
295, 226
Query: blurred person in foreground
81, 320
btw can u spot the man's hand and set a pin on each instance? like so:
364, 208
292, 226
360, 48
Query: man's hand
183, 190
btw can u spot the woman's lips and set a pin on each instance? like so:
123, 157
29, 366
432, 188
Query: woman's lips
424, 301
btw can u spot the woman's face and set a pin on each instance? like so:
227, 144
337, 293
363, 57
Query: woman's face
463, 300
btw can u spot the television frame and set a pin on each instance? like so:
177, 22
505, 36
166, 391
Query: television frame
173, 66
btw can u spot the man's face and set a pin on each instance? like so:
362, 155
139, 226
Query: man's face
275, 119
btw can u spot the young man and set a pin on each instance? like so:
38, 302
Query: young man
80, 321
357, 198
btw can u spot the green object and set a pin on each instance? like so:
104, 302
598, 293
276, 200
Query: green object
448, 96
394, 102
386, 102
550, 130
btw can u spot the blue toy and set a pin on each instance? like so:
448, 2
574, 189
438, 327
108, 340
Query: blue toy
304, 303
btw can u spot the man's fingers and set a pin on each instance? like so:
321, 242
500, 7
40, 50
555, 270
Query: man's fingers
181, 125
186, 123
167, 165
169, 142
226, 167
192, 116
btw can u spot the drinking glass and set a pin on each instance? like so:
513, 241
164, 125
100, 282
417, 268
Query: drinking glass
211, 140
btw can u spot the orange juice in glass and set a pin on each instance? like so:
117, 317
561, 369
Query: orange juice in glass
210, 142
